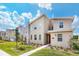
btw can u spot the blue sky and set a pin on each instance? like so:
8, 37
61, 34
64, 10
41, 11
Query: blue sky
66, 9
27, 11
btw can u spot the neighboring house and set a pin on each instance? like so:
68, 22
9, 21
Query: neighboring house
23, 32
55, 31
3, 35
10, 34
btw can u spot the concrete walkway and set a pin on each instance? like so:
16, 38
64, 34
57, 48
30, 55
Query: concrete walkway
2, 53
35, 50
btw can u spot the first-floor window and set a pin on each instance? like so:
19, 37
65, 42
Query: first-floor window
59, 37
31, 37
40, 37
35, 37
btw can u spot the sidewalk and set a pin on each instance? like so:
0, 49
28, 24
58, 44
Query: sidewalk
32, 51
2, 53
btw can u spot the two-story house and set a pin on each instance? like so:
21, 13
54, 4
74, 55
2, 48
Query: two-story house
10, 34
3, 35
23, 32
55, 31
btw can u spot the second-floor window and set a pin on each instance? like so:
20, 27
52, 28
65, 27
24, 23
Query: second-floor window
51, 28
35, 28
61, 25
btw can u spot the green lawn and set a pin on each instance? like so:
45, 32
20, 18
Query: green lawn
52, 52
9, 47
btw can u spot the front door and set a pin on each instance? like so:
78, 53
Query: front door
48, 38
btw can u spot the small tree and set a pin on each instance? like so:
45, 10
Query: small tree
25, 40
17, 37
22, 39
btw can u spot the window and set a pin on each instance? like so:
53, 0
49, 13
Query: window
61, 25
40, 37
35, 37
35, 28
31, 37
51, 28
59, 37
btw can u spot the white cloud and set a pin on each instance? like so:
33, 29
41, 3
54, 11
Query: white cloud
28, 15
17, 19
10, 19
22, 20
1, 29
37, 15
76, 32
2, 7
6, 19
75, 23
15, 16
48, 6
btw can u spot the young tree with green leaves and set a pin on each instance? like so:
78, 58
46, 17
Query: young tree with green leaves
17, 36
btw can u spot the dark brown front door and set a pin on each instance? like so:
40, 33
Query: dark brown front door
48, 38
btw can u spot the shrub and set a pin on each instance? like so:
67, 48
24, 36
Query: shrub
20, 43
21, 47
75, 45
7, 40
75, 37
51, 47
0, 38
